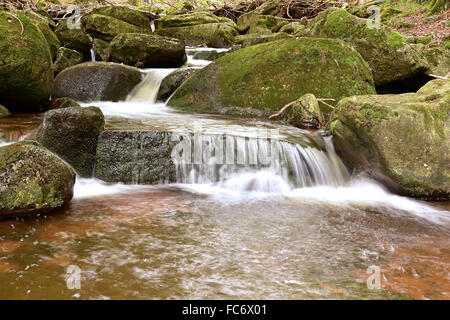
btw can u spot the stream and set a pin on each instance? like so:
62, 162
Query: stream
300, 227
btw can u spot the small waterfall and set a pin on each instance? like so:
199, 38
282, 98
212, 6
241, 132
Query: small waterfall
254, 164
152, 25
147, 90
92, 55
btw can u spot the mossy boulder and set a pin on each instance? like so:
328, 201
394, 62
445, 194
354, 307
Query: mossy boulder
261, 79
295, 28
209, 55
304, 113
101, 50
122, 13
387, 52
215, 35
179, 7
26, 68
198, 29
170, 83
267, 8
256, 23
252, 39
138, 157
74, 39
439, 60
60, 103
66, 58
147, 50
96, 81
401, 140
107, 27
4, 112
32, 180
72, 133
37, 18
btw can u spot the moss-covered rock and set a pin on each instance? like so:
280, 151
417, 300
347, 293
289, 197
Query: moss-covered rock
267, 8
170, 83
401, 140
206, 55
106, 27
190, 19
256, 38
438, 59
72, 133
60, 103
32, 180
147, 50
304, 113
66, 58
215, 35
4, 112
293, 28
179, 7
101, 50
26, 68
122, 13
96, 81
387, 52
262, 78
135, 157
74, 39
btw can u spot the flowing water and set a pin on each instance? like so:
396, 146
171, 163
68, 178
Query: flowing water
269, 212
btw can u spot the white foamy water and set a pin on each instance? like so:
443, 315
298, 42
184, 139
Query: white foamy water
147, 90
92, 187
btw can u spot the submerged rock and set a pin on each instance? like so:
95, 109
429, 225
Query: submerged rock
96, 81
72, 133
147, 50
304, 113
387, 52
401, 140
66, 58
170, 83
142, 157
198, 29
60, 103
263, 78
26, 66
32, 180
74, 39
4, 112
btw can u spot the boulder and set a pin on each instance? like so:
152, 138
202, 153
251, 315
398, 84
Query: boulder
304, 113
122, 13
4, 112
96, 81
256, 38
72, 133
107, 27
179, 7
263, 78
438, 59
198, 29
170, 83
32, 180
26, 66
51, 38
147, 50
296, 28
60, 103
391, 58
66, 58
401, 140
101, 50
268, 8
206, 55
255, 23
141, 157
74, 39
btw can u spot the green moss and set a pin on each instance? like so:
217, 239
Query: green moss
423, 40
4, 112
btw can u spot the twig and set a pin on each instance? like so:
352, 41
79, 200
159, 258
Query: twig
21, 25
282, 109
438, 77
327, 104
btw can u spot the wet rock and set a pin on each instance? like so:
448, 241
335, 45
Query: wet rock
401, 140
74, 39
96, 81
72, 133
32, 180
60, 103
198, 29
206, 55
4, 112
263, 78
147, 50
391, 58
26, 78
255, 38
101, 50
305, 113
142, 157
170, 83
66, 58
